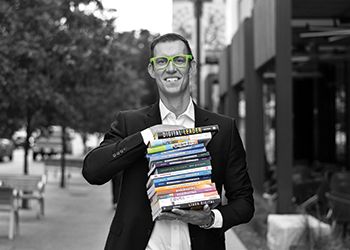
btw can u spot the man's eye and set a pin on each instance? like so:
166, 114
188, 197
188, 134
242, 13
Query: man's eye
180, 60
161, 61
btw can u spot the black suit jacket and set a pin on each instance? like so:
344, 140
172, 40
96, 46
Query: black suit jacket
123, 150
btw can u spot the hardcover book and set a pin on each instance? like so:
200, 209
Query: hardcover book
173, 151
157, 196
193, 163
177, 177
187, 131
178, 160
177, 154
204, 137
172, 182
154, 189
190, 205
166, 147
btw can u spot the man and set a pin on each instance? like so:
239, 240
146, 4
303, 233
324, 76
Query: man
124, 149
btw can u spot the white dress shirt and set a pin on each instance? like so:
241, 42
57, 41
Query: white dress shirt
173, 234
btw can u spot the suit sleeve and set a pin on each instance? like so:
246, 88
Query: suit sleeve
116, 152
237, 184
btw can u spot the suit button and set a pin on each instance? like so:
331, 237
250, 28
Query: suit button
114, 155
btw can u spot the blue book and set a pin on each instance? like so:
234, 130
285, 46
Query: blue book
200, 145
177, 154
182, 176
166, 183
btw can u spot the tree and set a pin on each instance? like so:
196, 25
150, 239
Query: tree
62, 64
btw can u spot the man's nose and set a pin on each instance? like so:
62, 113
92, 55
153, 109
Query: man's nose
171, 67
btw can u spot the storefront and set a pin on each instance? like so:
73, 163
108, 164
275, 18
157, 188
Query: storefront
289, 64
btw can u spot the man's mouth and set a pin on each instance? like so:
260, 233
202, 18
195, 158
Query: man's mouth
171, 79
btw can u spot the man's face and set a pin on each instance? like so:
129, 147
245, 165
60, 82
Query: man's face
172, 81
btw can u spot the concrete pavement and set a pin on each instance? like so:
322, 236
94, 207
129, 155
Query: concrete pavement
76, 218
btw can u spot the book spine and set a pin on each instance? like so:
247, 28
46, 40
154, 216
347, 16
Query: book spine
198, 204
178, 160
185, 193
185, 199
177, 154
166, 183
182, 166
186, 131
184, 170
183, 174
185, 189
192, 204
154, 189
162, 148
199, 137
173, 151
190, 163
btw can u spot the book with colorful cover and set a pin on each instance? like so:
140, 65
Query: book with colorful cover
177, 160
177, 154
182, 171
212, 202
204, 138
184, 199
151, 190
194, 163
172, 182
186, 131
166, 147
166, 153
173, 190
157, 196
179, 177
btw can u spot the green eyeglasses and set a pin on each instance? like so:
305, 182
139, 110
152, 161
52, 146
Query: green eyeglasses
161, 62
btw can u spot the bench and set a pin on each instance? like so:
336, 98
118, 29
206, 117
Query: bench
8, 205
28, 187
71, 163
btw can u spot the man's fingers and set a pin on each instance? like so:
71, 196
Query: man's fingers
167, 216
206, 208
178, 211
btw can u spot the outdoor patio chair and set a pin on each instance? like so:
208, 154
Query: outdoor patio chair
8, 204
339, 200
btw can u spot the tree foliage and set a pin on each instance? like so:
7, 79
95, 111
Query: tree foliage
61, 62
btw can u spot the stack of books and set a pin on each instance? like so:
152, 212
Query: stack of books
180, 170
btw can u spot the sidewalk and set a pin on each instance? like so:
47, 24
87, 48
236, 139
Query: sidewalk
76, 218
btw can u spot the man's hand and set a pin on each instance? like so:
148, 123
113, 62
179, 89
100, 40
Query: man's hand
161, 127
195, 217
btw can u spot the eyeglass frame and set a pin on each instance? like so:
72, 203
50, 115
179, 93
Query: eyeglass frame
188, 58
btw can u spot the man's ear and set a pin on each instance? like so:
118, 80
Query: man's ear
193, 67
150, 70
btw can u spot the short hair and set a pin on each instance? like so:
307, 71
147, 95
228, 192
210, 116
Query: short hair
170, 37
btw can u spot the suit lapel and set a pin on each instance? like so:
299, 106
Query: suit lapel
201, 116
153, 115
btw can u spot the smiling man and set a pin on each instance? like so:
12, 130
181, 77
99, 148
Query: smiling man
124, 148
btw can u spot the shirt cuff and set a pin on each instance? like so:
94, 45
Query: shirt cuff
147, 136
218, 220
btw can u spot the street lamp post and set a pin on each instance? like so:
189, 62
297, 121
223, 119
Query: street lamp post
198, 9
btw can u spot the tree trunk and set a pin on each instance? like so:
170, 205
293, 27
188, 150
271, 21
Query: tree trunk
25, 202
26, 144
63, 157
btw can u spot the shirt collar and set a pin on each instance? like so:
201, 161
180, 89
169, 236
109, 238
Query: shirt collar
189, 112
